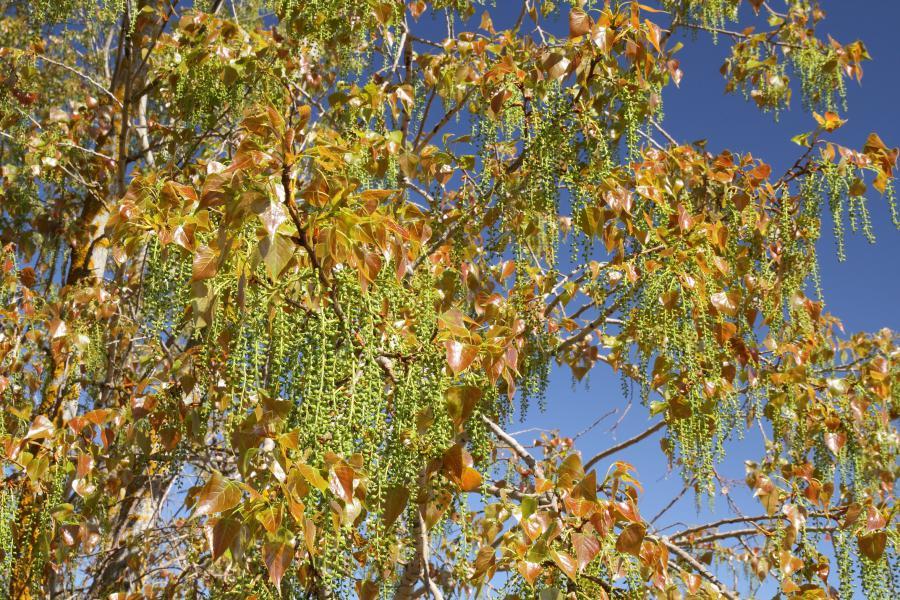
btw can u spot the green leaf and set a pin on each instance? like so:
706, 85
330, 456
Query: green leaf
461, 401
313, 476
276, 251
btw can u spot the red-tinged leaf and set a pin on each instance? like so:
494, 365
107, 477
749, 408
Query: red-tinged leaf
529, 571
874, 519
41, 427
685, 220
272, 214
83, 487
631, 538
586, 547
218, 495
298, 509
829, 122
213, 191
177, 193
534, 525
485, 562
184, 237
796, 515
570, 471
460, 356
835, 440
654, 34
457, 458
394, 503
340, 481
723, 303
788, 563
309, 535
57, 328
368, 590
566, 564
436, 508
222, 535
872, 544
206, 263
580, 23
277, 556
587, 487
692, 582
675, 72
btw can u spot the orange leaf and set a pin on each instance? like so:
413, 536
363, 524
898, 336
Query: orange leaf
586, 548
206, 263
566, 564
218, 495
222, 536
580, 23
631, 538
277, 556
872, 545
394, 503
460, 356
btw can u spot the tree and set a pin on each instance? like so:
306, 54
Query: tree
276, 274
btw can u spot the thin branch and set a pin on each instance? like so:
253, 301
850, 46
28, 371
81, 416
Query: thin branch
699, 568
738, 34
734, 520
629, 442
750, 531
668, 506
84, 76
87, 150
444, 120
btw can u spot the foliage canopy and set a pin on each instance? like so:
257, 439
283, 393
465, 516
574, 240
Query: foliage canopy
276, 274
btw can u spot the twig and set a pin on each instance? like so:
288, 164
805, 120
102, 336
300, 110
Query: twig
444, 120
629, 442
680, 495
84, 76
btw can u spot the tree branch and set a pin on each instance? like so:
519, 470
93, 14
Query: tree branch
511, 442
699, 568
629, 442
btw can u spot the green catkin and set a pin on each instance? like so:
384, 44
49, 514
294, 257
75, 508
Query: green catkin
821, 84
53, 12
844, 558
875, 577
9, 503
890, 196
